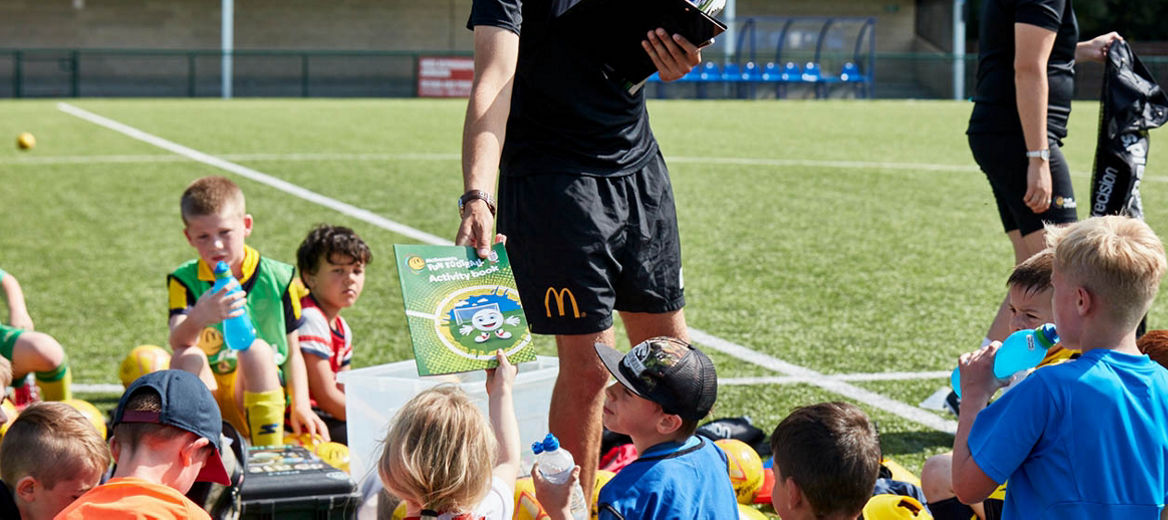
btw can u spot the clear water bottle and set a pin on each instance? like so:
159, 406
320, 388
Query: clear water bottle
238, 332
1021, 350
555, 466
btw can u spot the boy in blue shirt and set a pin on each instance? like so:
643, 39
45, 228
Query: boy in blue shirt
1087, 438
664, 387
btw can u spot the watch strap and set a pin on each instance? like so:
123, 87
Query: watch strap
1043, 154
476, 195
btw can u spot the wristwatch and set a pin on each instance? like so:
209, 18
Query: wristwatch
479, 195
1043, 154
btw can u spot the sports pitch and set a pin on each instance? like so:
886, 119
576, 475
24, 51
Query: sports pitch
831, 250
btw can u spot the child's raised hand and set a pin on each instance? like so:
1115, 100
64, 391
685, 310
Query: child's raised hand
501, 378
556, 499
978, 381
215, 307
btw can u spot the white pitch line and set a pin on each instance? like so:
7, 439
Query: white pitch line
871, 376
733, 349
263, 178
328, 156
97, 388
843, 388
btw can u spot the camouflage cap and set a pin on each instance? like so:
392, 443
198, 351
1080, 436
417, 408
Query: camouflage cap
667, 371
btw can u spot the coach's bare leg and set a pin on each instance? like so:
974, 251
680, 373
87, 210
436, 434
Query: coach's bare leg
1024, 247
644, 325
578, 401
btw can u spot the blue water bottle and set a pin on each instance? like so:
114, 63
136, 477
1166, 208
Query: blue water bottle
238, 332
1021, 350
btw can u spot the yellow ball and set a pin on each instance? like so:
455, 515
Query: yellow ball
894, 507
25, 141
11, 413
399, 512
96, 418
746, 512
745, 468
526, 506
143, 360
602, 478
334, 453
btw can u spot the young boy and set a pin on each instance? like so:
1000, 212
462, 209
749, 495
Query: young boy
31, 352
332, 262
664, 387
827, 459
50, 456
166, 437
1028, 300
1084, 439
247, 383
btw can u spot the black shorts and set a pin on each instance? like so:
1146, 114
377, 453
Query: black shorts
1003, 159
582, 246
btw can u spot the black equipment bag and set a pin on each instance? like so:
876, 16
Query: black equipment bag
1132, 103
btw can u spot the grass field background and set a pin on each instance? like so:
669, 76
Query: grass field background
841, 236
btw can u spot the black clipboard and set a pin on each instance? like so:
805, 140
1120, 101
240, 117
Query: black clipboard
612, 32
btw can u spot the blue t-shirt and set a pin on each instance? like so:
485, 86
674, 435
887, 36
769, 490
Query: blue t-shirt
1087, 439
690, 480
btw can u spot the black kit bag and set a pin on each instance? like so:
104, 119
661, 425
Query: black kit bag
1132, 103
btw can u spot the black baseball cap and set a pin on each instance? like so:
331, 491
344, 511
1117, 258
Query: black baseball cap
667, 371
187, 404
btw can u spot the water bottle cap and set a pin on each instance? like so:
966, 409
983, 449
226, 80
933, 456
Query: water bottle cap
551, 443
221, 267
537, 447
1048, 334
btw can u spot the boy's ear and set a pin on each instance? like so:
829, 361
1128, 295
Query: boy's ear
1084, 301
795, 499
115, 448
247, 223
668, 423
191, 451
26, 488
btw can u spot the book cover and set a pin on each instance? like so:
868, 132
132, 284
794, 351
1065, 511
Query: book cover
614, 29
461, 308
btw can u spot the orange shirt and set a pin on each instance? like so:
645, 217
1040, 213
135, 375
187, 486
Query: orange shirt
132, 499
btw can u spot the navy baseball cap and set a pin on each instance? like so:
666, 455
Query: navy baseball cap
187, 404
667, 371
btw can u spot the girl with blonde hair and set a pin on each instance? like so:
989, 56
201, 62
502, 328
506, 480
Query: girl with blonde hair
444, 460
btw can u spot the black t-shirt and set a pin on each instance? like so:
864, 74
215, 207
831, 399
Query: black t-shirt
566, 115
996, 108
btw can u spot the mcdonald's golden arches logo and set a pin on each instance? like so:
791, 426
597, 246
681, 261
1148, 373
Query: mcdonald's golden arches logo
559, 298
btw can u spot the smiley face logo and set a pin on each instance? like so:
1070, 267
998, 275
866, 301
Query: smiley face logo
416, 263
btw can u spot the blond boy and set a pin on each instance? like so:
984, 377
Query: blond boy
166, 436
664, 387
1028, 299
1087, 438
827, 459
50, 455
247, 383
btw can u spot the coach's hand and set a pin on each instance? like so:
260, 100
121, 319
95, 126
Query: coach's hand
477, 223
1038, 186
674, 56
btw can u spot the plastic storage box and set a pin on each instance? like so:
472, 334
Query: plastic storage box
374, 394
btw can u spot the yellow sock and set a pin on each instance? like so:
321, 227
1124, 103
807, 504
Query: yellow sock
265, 417
56, 384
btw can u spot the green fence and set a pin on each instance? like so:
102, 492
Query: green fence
38, 73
